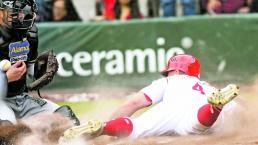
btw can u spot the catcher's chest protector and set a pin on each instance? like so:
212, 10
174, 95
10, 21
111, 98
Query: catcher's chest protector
15, 47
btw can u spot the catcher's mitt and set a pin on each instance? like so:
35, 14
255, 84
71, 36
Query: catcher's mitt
45, 68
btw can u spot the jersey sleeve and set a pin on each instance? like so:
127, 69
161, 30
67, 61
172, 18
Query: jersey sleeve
155, 90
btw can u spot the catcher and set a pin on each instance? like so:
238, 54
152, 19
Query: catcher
19, 44
184, 105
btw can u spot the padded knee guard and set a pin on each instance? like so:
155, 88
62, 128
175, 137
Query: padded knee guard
66, 111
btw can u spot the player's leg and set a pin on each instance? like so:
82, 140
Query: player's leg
209, 113
162, 119
120, 127
155, 121
7, 113
221, 97
158, 120
10, 131
27, 106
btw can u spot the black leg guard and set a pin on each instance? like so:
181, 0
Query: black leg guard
68, 112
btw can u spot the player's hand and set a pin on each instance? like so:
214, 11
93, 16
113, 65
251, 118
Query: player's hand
16, 71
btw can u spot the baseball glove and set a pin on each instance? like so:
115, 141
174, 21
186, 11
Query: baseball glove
45, 68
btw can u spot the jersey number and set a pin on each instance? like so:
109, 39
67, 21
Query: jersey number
198, 87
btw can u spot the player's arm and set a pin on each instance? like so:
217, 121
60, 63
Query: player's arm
151, 94
135, 103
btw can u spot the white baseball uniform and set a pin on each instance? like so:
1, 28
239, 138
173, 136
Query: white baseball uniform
178, 98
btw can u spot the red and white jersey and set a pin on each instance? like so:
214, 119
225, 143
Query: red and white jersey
178, 98
181, 88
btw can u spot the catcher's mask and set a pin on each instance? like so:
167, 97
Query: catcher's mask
185, 63
19, 14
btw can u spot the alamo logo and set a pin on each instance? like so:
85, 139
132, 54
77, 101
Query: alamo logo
18, 51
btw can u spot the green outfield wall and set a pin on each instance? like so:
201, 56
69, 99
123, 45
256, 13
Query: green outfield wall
131, 54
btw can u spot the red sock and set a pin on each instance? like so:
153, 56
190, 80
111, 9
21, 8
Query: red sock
120, 127
208, 114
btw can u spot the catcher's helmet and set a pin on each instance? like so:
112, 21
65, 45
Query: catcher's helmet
20, 14
185, 63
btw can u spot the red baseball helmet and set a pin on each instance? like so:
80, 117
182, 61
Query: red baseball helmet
185, 63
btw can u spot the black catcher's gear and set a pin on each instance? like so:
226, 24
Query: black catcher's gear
45, 68
27, 46
20, 14
66, 111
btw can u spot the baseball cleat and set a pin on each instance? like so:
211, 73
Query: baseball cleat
222, 96
91, 129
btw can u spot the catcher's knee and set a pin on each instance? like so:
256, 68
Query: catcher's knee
66, 111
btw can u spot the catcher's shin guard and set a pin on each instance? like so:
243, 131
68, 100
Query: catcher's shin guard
91, 129
222, 96
66, 111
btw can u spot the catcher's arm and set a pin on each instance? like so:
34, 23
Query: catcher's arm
135, 103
